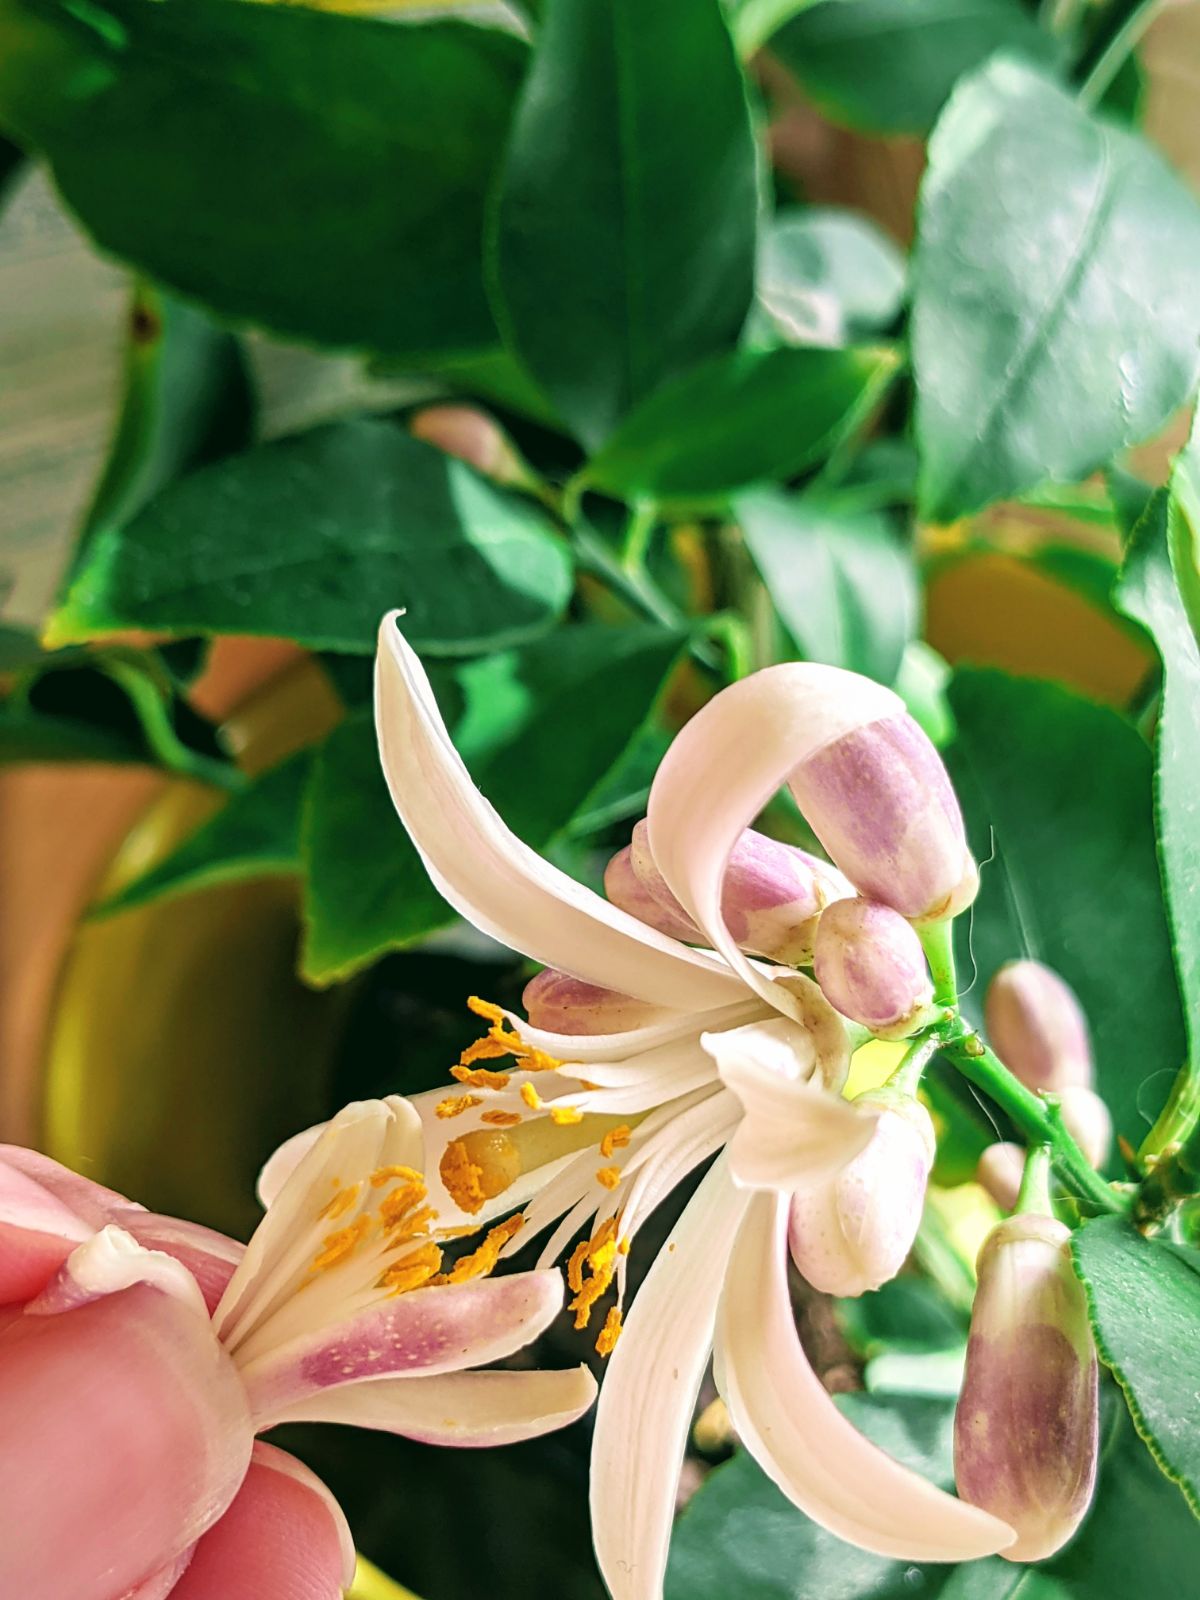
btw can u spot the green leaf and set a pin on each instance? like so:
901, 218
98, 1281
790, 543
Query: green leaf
740, 1537
1144, 1301
256, 834
888, 65
312, 537
625, 224
1057, 276
187, 401
739, 419
1183, 527
323, 175
1057, 797
1147, 592
827, 277
843, 584
754, 21
539, 730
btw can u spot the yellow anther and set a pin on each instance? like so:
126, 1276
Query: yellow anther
457, 1104
383, 1175
481, 1261
337, 1246
610, 1177
487, 1009
565, 1116
615, 1139
531, 1097
480, 1077
606, 1342
413, 1270
485, 1049
501, 1119
576, 1264
344, 1200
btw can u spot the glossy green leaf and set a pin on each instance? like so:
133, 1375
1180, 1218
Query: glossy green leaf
313, 537
1183, 526
187, 401
1057, 795
256, 834
740, 1537
1144, 1302
321, 174
888, 65
623, 246
754, 21
826, 277
738, 419
539, 729
1148, 592
841, 581
1057, 281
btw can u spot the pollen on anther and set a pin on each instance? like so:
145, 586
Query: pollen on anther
565, 1116
531, 1097
455, 1105
614, 1139
610, 1177
606, 1341
480, 1077
501, 1119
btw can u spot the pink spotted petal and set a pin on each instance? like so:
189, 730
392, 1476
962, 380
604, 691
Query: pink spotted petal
126, 1435
426, 1331
283, 1538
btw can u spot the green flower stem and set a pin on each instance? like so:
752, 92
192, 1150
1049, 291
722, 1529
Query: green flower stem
1174, 1177
1034, 1194
1119, 47
907, 1076
937, 939
1037, 1118
639, 531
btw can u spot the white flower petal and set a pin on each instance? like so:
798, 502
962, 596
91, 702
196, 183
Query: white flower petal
645, 1408
794, 1131
498, 883
467, 1409
799, 1437
724, 766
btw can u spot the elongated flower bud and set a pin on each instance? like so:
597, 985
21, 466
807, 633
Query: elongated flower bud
1086, 1118
771, 895
881, 803
1037, 1027
870, 965
626, 888
472, 436
1025, 1432
999, 1172
560, 1003
855, 1233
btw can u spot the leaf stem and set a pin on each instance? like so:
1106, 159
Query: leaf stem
639, 530
1038, 1118
1126, 39
155, 717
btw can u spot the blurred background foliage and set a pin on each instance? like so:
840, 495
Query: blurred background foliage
857, 331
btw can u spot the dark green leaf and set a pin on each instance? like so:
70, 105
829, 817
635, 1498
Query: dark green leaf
1147, 591
539, 729
825, 277
1144, 1299
1183, 528
256, 834
1057, 279
843, 584
754, 21
187, 401
624, 238
72, 716
739, 1537
908, 1313
321, 174
1057, 796
739, 419
313, 537
888, 65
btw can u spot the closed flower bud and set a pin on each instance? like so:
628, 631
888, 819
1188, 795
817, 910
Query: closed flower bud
999, 1172
1037, 1027
1087, 1120
472, 436
560, 1003
771, 896
626, 888
855, 1233
1025, 1432
879, 800
870, 965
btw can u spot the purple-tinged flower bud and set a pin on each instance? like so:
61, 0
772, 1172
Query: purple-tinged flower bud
627, 889
1037, 1027
870, 965
1000, 1169
771, 895
855, 1233
1086, 1118
1025, 1432
881, 803
472, 436
559, 1003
